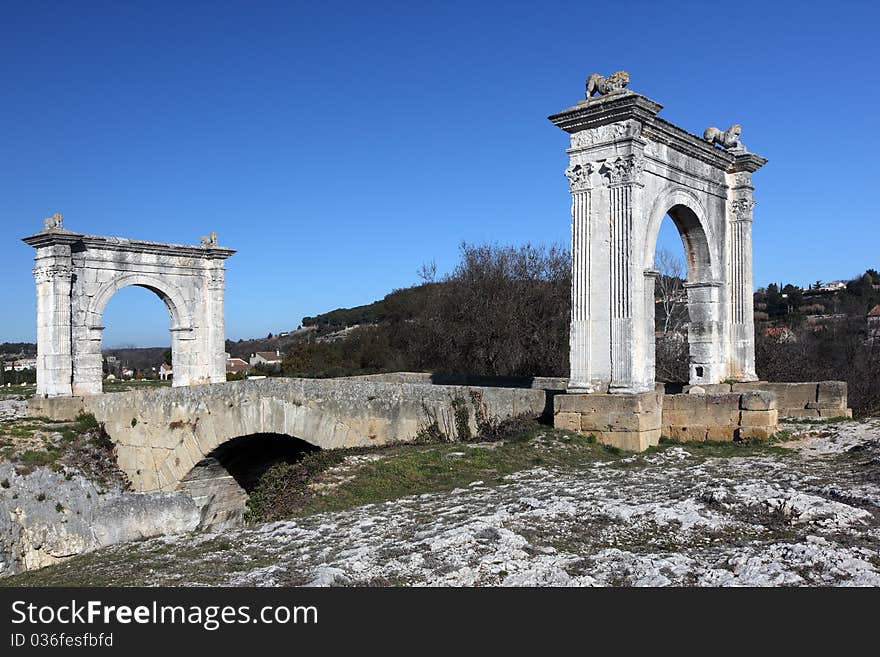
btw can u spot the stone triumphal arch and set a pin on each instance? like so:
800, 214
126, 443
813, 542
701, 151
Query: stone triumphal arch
76, 275
627, 170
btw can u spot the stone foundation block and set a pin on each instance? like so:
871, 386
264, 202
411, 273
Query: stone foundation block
832, 394
755, 433
631, 441
690, 433
627, 421
62, 409
759, 418
567, 421
721, 433
758, 400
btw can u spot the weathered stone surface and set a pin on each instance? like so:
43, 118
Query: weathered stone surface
759, 418
758, 400
832, 394
77, 274
56, 408
804, 400
627, 421
567, 421
718, 417
755, 433
12, 409
46, 517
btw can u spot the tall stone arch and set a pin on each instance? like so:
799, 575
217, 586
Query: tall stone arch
77, 274
627, 169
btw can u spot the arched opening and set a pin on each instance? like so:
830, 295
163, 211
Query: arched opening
222, 481
135, 316
671, 317
135, 345
685, 299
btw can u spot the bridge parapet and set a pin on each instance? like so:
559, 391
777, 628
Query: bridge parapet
161, 434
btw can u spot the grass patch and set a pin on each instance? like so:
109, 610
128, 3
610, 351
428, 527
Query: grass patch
723, 448
412, 469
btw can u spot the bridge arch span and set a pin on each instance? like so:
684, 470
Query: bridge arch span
161, 434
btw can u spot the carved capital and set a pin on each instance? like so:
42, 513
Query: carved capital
47, 273
741, 208
579, 176
623, 170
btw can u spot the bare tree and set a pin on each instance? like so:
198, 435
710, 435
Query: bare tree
670, 291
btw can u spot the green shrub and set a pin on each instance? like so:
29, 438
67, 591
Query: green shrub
86, 422
284, 487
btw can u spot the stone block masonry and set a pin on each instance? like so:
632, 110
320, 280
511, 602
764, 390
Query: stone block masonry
636, 422
720, 416
822, 399
628, 421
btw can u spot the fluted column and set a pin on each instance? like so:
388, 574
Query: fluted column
741, 203
580, 334
53, 274
623, 177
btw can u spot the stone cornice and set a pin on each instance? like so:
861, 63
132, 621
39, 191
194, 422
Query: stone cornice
606, 109
101, 243
627, 105
669, 134
747, 162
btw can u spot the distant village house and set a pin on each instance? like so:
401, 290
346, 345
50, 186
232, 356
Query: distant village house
266, 359
236, 366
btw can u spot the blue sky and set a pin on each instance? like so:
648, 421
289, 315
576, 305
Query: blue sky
338, 146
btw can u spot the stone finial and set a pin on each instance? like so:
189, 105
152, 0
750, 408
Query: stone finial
210, 239
599, 84
726, 139
54, 222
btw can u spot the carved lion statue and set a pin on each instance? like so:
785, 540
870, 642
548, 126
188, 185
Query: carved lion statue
727, 139
601, 85
55, 222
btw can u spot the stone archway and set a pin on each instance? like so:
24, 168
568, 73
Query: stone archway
627, 169
702, 285
77, 274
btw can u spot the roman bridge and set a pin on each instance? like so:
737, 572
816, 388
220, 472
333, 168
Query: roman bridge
177, 438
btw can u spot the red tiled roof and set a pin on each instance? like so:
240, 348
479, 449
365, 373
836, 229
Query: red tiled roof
875, 311
236, 365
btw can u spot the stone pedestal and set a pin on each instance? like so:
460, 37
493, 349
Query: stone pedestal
628, 421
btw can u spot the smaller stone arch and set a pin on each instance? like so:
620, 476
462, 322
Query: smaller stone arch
77, 274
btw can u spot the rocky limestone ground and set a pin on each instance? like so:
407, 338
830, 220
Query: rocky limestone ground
803, 514
61, 494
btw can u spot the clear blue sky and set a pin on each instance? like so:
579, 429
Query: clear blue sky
338, 146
